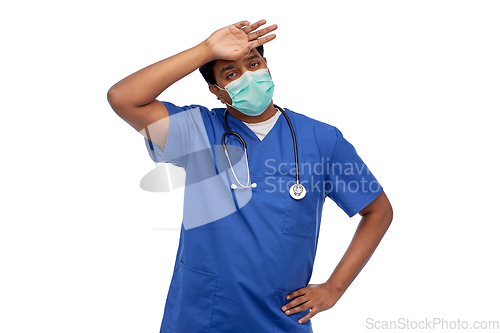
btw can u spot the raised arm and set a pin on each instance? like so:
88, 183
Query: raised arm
134, 97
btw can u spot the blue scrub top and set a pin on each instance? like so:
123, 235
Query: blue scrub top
242, 251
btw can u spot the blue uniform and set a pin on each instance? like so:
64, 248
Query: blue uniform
242, 251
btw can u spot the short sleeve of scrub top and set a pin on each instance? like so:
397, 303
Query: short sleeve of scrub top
183, 127
349, 182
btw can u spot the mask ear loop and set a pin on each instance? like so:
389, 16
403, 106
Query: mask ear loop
221, 94
227, 105
219, 87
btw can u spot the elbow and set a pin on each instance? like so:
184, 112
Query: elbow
118, 102
386, 210
389, 213
114, 98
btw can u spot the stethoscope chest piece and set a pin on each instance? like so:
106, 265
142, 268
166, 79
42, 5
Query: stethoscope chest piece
297, 191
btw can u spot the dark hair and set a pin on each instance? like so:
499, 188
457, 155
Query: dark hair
207, 70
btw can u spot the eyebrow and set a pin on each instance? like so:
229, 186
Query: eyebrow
228, 67
247, 59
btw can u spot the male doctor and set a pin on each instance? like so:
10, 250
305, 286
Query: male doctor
247, 245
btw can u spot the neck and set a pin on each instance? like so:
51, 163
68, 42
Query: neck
267, 114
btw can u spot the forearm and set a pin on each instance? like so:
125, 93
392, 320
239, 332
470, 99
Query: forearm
369, 233
145, 85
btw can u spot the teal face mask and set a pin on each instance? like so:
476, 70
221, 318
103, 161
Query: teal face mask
252, 92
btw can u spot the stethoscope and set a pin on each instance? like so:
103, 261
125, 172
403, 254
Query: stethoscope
297, 191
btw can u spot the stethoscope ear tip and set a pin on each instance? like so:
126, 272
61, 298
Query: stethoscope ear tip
233, 186
254, 185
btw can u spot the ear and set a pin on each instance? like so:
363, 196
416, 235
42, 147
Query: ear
216, 91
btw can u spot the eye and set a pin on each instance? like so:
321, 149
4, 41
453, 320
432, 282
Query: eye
254, 64
231, 75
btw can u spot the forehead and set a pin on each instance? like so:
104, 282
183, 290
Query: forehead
221, 64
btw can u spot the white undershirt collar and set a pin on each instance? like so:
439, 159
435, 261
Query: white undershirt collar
261, 129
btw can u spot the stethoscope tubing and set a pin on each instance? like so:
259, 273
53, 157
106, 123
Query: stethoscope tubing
243, 143
294, 141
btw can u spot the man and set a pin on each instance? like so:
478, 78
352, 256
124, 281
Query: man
249, 235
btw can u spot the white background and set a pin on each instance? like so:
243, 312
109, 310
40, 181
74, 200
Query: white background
413, 85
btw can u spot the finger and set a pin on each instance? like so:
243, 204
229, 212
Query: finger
252, 27
262, 32
296, 293
295, 306
307, 317
241, 24
296, 302
264, 40
296, 309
